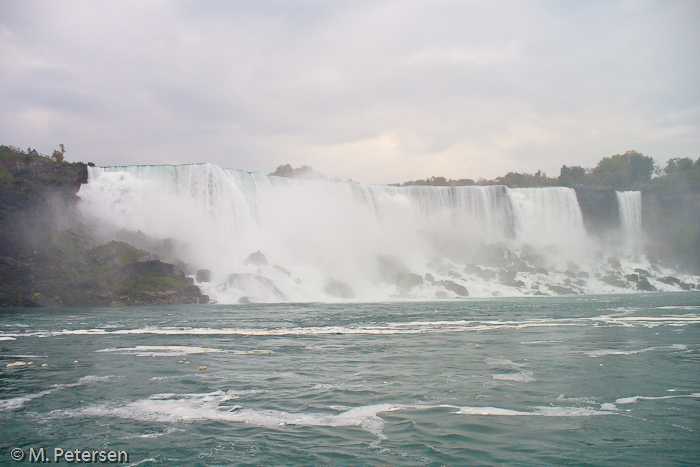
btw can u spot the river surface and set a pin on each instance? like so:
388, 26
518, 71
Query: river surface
608, 380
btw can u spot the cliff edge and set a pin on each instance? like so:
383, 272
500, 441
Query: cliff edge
49, 255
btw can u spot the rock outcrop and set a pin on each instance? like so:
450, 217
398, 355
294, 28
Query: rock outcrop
339, 289
48, 257
599, 209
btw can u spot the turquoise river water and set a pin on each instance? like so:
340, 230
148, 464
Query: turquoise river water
607, 380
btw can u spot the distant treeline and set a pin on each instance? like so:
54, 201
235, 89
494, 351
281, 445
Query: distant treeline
628, 171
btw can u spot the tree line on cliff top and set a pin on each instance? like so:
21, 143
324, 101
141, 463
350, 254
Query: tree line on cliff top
628, 171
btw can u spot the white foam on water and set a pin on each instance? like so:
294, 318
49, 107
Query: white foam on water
174, 351
329, 347
155, 434
647, 321
489, 411
546, 411
499, 361
15, 403
413, 327
604, 352
8, 338
160, 350
634, 399
179, 408
23, 356
519, 377
569, 411
587, 400
148, 460
542, 342
171, 408
625, 309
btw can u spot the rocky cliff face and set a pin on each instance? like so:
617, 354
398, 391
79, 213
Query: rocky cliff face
27, 180
671, 220
49, 257
599, 209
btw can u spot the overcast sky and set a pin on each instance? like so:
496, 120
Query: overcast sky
377, 91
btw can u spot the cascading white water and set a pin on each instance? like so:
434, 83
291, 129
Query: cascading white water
630, 208
547, 216
630, 211
316, 231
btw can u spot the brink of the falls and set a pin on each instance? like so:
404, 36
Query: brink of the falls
264, 238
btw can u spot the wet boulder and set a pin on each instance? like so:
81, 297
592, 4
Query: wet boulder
454, 287
203, 275
487, 274
257, 258
339, 289
518, 265
508, 278
559, 290
614, 281
391, 271
494, 255
532, 256
644, 284
408, 280
670, 280
471, 269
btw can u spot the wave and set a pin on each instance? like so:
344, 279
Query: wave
603, 352
413, 327
15, 403
217, 405
175, 350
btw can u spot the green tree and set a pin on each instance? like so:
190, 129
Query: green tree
624, 171
57, 155
677, 164
570, 176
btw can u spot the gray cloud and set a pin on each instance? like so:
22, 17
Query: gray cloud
376, 91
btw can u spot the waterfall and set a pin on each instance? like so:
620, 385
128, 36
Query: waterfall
629, 205
547, 215
630, 208
378, 241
